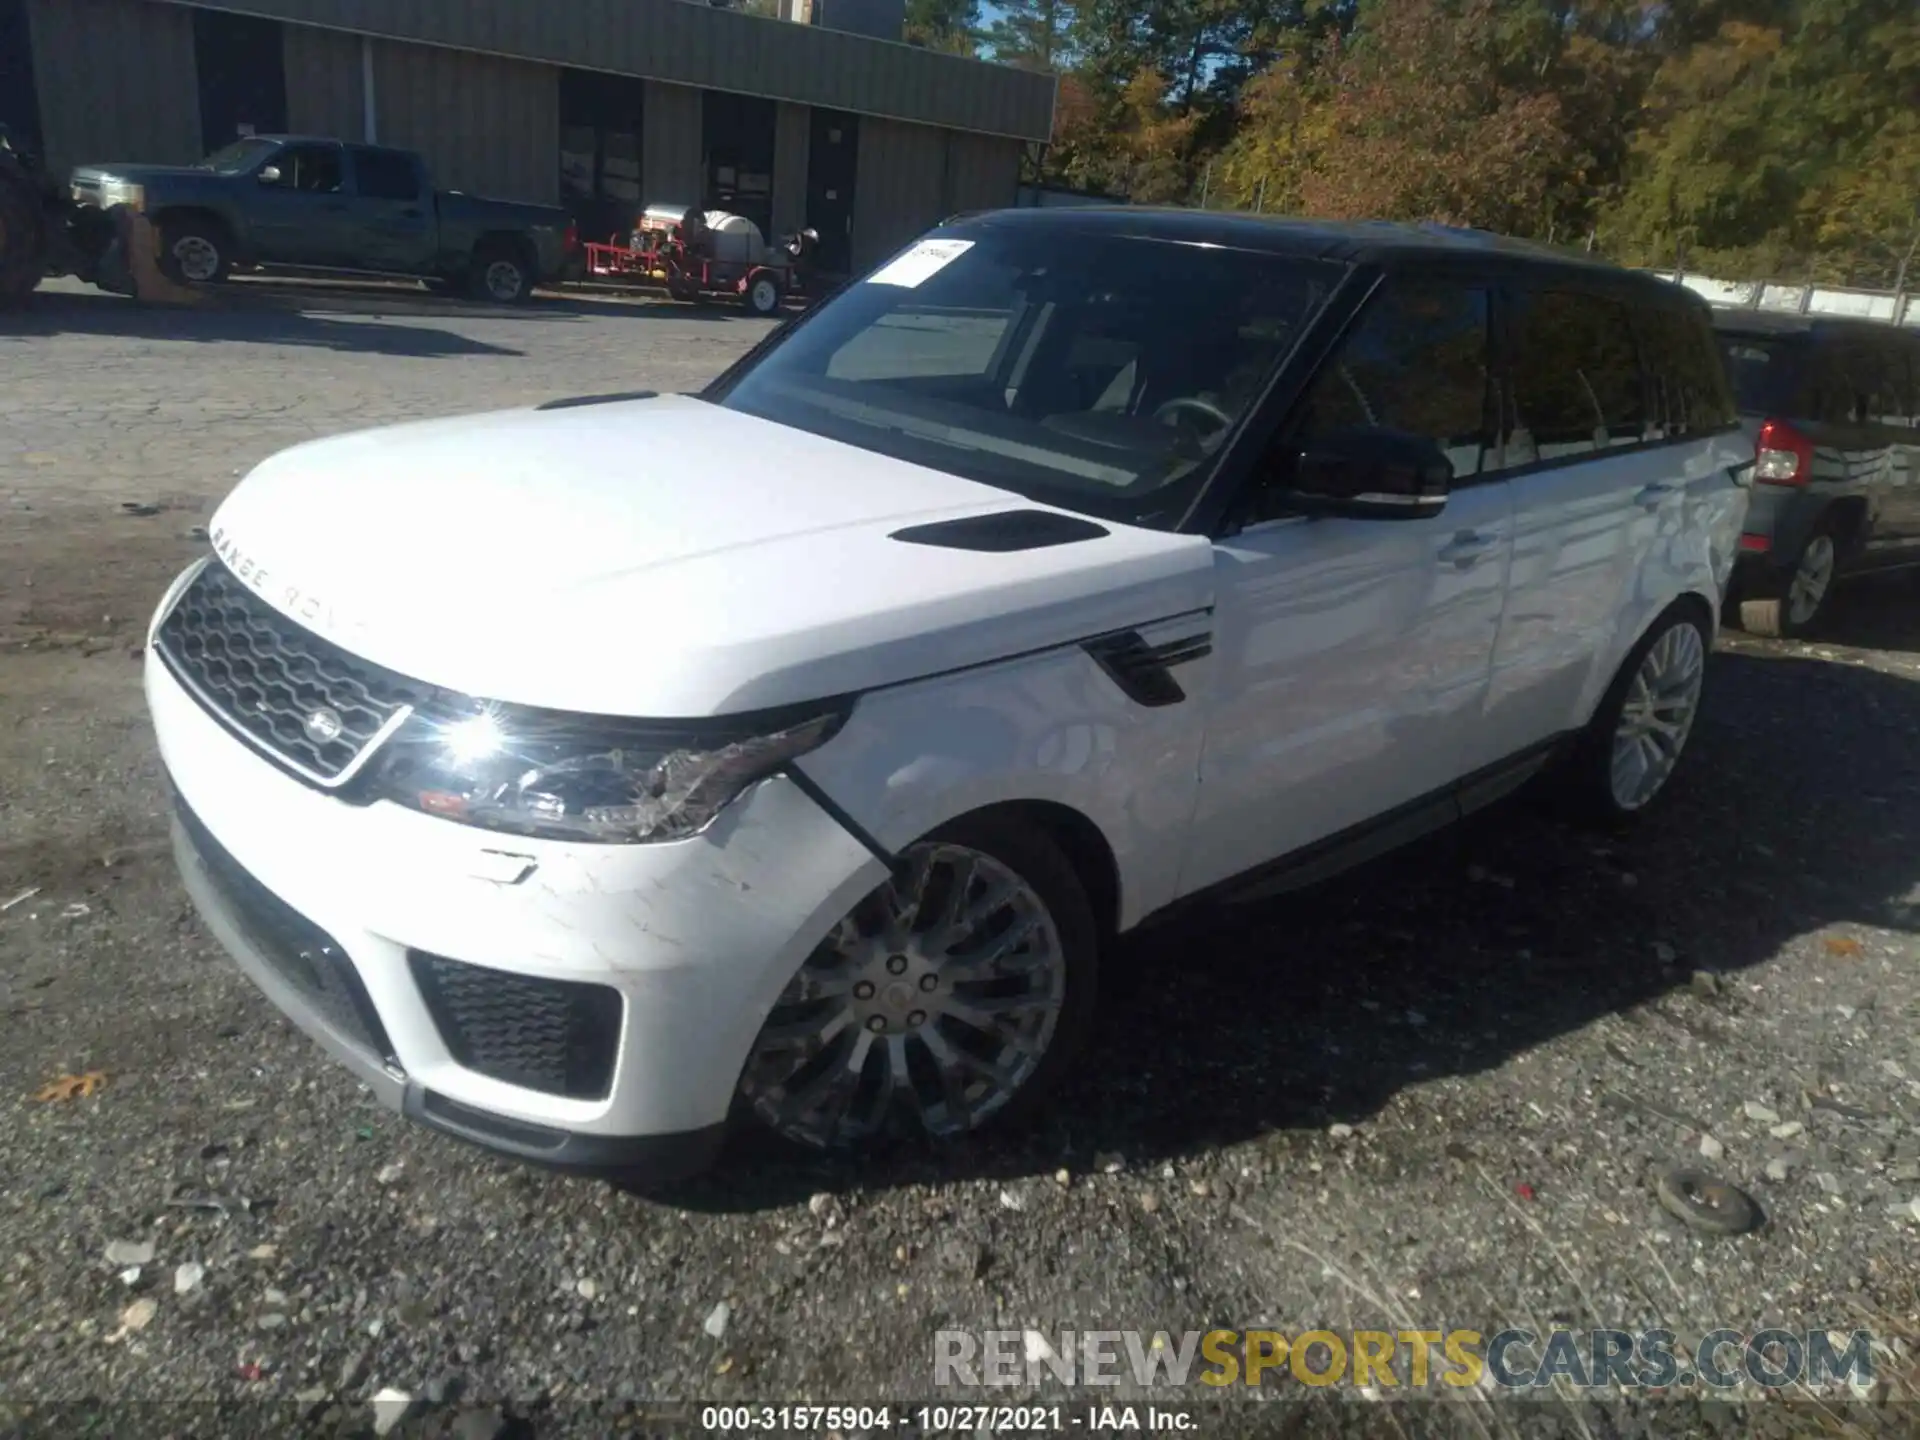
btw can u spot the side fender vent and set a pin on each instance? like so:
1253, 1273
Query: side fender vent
1144, 672
1003, 532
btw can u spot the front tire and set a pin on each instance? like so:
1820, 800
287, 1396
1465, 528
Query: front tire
194, 252
951, 997
23, 258
1630, 749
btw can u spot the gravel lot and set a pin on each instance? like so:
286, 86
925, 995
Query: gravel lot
1432, 1094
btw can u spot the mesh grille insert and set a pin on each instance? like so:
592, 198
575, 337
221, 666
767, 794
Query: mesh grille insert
557, 1036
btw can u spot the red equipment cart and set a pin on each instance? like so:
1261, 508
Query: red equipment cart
699, 254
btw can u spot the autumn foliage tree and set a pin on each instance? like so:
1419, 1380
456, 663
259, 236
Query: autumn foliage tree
1767, 136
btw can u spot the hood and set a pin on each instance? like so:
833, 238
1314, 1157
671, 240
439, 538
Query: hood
139, 174
665, 558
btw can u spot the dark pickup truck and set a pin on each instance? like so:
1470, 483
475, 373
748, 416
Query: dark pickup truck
316, 204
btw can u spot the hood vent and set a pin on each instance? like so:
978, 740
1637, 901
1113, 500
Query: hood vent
1003, 532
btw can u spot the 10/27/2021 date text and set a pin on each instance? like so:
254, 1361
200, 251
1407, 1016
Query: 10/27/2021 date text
943, 1419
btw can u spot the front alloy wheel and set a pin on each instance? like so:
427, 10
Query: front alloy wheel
953, 990
1656, 715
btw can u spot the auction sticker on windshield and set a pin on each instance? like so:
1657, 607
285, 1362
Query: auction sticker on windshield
924, 260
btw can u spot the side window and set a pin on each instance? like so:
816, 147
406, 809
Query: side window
1416, 362
1576, 378
1887, 399
309, 169
385, 174
1688, 392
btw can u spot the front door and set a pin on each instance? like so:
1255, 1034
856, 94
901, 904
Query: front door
1353, 655
833, 152
391, 211
301, 215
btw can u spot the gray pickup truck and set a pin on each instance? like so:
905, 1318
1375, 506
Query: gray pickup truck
306, 203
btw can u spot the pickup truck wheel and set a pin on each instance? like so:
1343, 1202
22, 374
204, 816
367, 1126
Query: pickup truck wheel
953, 995
501, 276
22, 256
193, 251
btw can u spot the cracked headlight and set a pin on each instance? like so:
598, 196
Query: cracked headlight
606, 781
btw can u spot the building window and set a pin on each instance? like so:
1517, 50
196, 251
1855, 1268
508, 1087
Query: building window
737, 155
600, 129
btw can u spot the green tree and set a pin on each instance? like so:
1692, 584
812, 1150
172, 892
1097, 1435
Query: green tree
948, 25
1033, 34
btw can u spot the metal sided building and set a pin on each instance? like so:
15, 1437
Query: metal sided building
599, 105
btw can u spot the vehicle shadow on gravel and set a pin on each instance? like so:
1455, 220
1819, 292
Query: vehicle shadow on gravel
116, 316
1452, 957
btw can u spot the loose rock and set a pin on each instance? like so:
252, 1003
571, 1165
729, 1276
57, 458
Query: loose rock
717, 1318
130, 1252
1764, 1114
187, 1277
390, 1407
139, 1314
1711, 1148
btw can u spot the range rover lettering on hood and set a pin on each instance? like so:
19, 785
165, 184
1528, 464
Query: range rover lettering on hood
302, 605
669, 557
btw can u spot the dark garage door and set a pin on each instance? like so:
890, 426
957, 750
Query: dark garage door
19, 105
243, 77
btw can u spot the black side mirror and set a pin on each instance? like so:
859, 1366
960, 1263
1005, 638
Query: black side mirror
1370, 474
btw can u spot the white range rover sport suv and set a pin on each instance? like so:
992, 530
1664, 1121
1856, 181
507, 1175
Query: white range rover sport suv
590, 777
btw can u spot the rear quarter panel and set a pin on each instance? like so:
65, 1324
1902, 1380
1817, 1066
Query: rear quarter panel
1695, 542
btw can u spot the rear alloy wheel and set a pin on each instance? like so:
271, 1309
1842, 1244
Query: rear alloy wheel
949, 997
1796, 612
1632, 746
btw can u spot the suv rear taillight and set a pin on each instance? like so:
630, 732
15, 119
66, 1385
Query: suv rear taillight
1784, 456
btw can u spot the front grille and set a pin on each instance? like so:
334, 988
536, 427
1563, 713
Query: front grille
556, 1036
266, 676
300, 952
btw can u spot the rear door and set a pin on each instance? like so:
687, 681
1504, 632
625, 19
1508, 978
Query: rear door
392, 211
1590, 492
300, 216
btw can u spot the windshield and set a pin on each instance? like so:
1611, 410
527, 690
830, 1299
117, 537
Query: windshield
1101, 374
240, 155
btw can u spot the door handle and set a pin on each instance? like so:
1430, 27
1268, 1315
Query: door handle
1652, 497
1467, 549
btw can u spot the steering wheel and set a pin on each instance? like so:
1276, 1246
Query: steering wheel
1194, 405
